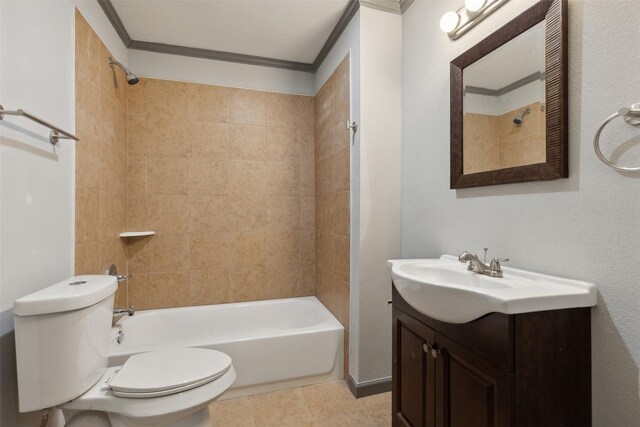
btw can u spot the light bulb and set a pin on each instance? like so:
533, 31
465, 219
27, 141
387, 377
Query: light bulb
474, 5
449, 21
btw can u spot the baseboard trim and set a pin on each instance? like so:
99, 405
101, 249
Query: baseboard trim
369, 388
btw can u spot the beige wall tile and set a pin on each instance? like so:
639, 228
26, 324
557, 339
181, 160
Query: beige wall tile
307, 213
113, 170
247, 107
87, 95
167, 97
209, 287
87, 259
112, 251
112, 126
248, 283
209, 140
210, 251
137, 213
307, 177
208, 177
342, 259
325, 176
209, 103
307, 280
307, 248
87, 49
169, 289
249, 249
137, 175
137, 134
291, 111
168, 214
247, 178
113, 219
283, 282
167, 252
137, 292
342, 81
209, 214
136, 249
283, 213
168, 175
247, 142
283, 248
342, 169
283, 144
167, 136
137, 97
87, 215
282, 179
88, 162
248, 213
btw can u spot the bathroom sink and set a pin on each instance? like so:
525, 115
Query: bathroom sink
443, 289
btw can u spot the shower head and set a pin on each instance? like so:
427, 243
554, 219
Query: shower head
518, 119
132, 78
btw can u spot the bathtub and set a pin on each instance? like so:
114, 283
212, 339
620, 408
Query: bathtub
274, 344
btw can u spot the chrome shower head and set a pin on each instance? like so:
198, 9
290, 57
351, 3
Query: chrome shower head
518, 119
132, 78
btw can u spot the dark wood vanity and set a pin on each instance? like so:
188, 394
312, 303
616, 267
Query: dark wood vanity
531, 369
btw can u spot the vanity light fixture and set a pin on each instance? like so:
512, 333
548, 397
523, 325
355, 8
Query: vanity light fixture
468, 16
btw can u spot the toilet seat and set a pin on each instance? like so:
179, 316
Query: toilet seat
166, 372
158, 410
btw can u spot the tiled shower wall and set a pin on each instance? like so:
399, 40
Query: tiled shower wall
332, 147
226, 179
101, 158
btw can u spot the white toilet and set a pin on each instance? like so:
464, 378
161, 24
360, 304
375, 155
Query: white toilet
62, 347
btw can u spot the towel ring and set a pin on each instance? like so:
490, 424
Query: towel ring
631, 115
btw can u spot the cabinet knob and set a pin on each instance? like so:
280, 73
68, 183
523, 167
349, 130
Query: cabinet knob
389, 301
426, 348
435, 351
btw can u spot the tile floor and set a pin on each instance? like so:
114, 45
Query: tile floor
321, 405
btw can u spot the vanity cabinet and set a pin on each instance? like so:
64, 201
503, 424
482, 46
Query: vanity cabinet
531, 369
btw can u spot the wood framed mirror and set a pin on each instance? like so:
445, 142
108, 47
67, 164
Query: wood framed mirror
509, 102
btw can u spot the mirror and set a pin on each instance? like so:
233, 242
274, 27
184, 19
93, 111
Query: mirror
508, 102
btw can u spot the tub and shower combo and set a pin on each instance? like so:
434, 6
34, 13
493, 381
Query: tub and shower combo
274, 344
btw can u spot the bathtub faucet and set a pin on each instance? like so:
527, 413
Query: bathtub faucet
122, 311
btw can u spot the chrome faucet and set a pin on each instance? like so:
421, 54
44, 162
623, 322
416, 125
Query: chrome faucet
494, 269
122, 311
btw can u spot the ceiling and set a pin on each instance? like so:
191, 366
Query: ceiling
289, 30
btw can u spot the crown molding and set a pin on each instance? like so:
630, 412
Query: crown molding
218, 55
391, 6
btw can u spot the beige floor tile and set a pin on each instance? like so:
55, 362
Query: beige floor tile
279, 408
232, 413
355, 418
329, 398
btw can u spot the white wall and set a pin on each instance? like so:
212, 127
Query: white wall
584, 227
207, 71
36, 179
379, 204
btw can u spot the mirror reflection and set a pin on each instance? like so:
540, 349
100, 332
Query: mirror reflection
504, 105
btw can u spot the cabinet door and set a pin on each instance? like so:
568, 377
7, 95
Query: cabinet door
413, 376
470, 392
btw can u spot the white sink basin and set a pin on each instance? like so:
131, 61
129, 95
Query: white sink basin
443, 289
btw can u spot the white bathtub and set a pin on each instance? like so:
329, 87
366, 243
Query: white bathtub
274, 344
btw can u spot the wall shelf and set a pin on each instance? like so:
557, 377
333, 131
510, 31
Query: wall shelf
137, 234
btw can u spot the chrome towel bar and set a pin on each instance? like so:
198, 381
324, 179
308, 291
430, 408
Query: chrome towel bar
55, 134
631, 115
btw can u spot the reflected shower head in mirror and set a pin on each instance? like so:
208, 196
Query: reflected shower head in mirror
518, 119
132, 79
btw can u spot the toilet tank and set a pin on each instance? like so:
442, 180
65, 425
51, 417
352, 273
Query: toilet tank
62, 339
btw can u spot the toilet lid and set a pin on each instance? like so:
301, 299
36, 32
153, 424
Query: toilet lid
159, 373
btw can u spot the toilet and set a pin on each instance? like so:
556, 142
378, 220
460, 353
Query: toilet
62, 349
